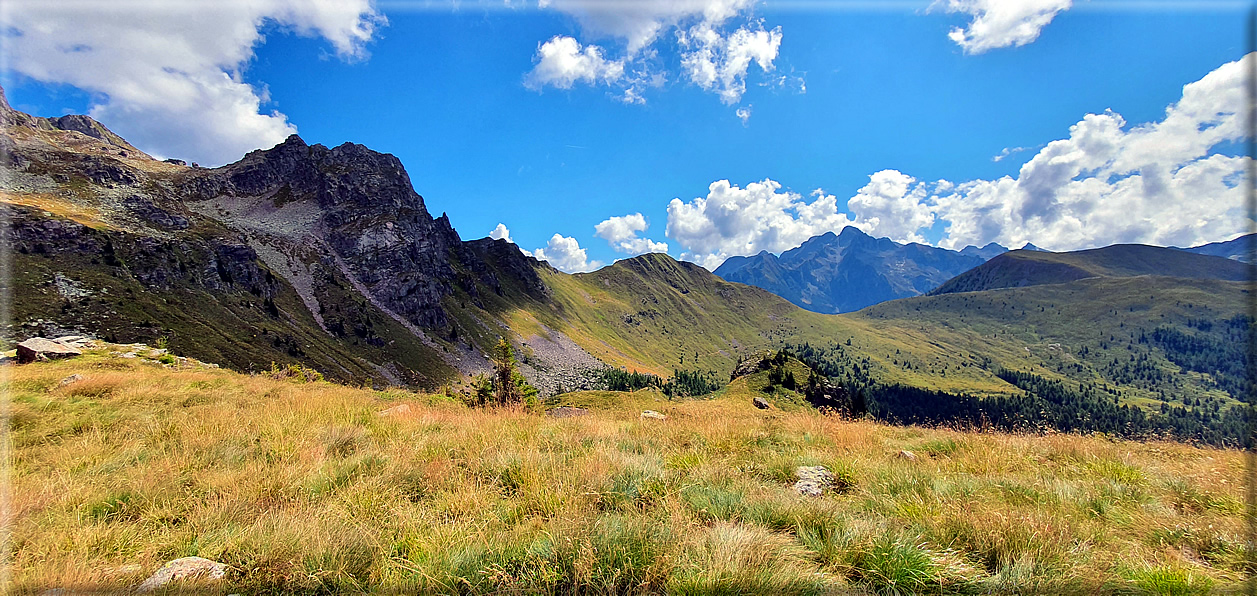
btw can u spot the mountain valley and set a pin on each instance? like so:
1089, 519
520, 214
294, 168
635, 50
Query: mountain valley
328, 258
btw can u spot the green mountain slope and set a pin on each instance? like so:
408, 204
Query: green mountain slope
1021, 268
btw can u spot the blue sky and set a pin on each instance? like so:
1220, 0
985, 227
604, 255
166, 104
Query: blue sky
894, 120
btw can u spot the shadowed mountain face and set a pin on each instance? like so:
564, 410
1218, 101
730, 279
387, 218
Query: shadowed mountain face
1021, 268
849, 271
1238, 249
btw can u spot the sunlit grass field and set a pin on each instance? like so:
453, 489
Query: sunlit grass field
304, 487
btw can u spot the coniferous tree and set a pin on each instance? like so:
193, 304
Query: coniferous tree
505, 389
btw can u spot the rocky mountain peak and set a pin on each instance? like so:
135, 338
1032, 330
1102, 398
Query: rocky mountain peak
86, 125
851, 234
832, 273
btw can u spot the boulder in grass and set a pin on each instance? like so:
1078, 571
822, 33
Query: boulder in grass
187, 568
653, 415
812, 480
74, 341
566, 412
72, 379
397, 410
38, 348
760, 403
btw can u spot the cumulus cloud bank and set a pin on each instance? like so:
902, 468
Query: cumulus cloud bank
1108, 182
744, 221
168, 72
714, 56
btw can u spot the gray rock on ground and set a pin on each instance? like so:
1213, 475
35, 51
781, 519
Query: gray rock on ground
70, 380
197, 568
395, 410
760, 403
653, 415
566, 412
75, 341
812, 480
39, 348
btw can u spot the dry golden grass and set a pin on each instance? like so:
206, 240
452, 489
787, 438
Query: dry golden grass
305, 488
58, 206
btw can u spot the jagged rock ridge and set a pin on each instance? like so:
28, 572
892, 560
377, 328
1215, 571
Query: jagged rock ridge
851, 270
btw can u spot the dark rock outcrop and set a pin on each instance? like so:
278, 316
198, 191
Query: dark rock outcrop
368, 214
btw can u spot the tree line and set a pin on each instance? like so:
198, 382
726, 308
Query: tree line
1043, 404
682, 383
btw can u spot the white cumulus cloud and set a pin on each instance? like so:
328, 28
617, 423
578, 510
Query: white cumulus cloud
621, 232
1008, 152
715, 56
894, 205
566, 255
1002, 23
562, 61
501, 233
719, 63
640, 22
167, 73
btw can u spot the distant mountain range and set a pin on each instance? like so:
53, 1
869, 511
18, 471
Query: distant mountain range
1022, 268
1236, 250
851, 270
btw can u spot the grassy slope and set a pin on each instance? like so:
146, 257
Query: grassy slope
654, 314
303, 487
649, 312
1027, 267
1069, 331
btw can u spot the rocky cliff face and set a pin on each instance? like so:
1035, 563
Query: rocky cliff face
301, 252
356, 203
